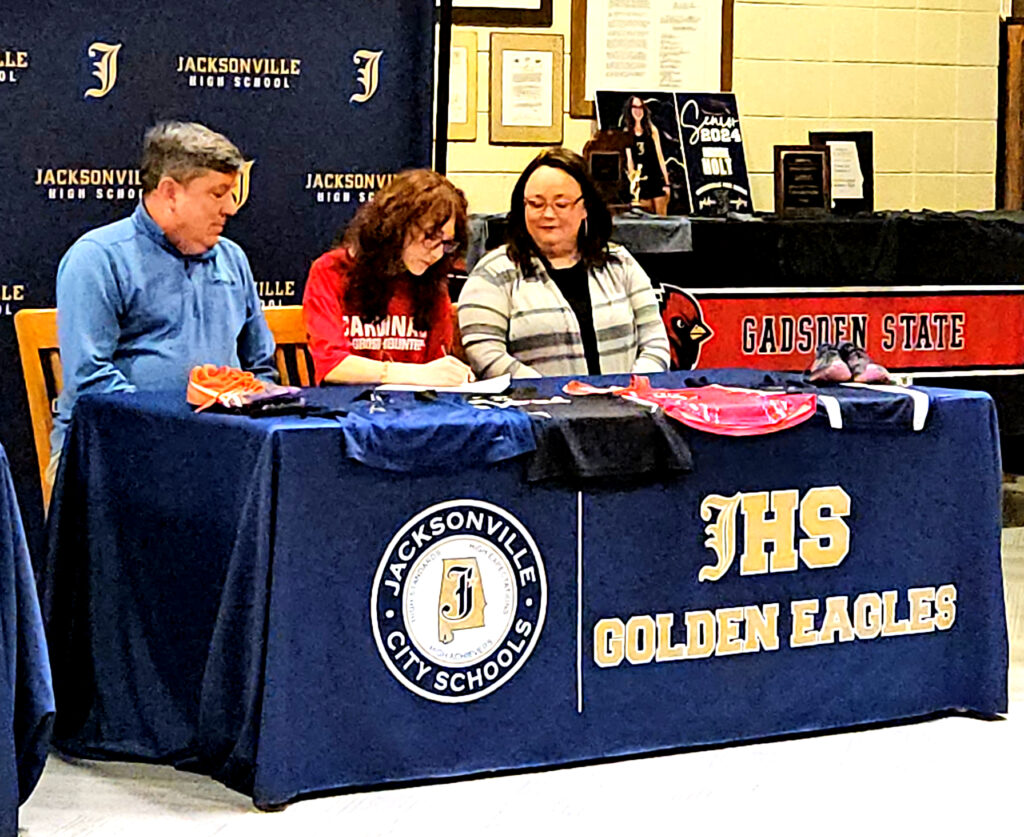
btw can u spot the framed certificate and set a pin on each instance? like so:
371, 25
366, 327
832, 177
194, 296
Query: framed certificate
526, 88
852, 169
462, 99
660, 45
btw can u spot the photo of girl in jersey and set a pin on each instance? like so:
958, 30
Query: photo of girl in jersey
654, 164
645, 162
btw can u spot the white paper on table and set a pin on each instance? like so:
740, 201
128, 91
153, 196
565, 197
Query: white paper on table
488, 386
847, 177
526, 81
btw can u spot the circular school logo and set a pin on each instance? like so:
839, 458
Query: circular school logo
458, 600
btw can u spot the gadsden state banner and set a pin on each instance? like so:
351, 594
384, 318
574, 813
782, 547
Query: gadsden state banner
325, 98
906, 329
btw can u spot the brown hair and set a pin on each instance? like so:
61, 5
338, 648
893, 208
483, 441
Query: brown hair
593, 237
414, 201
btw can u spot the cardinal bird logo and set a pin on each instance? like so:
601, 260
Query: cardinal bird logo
684, 322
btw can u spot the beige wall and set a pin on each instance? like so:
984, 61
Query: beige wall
920, 74
487, 172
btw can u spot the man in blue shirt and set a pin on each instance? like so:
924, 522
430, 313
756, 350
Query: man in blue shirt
143, 300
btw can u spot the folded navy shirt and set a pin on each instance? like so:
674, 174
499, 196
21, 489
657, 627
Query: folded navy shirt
431, 432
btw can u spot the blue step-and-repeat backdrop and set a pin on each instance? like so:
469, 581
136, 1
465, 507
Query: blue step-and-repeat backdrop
325, 98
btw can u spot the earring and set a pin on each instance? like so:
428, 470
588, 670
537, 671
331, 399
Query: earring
584, 227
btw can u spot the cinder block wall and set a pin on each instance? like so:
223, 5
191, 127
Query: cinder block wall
920, 74
485, 172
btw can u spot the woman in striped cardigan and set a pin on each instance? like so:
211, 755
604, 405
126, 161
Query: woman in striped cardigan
558, 298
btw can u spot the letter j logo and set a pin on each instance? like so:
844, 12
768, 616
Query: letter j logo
105, 68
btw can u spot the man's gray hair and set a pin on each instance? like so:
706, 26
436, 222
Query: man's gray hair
184, 151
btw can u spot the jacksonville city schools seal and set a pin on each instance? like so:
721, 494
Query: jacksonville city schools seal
458, 600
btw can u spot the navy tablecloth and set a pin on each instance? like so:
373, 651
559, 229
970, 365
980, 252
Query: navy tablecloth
26, 693
221, 594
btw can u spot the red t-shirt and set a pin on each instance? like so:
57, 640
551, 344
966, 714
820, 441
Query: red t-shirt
335, 333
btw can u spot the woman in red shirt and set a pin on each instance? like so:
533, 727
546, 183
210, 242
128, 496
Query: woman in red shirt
376, 307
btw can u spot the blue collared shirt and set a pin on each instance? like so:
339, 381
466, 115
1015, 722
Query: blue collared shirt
134, 313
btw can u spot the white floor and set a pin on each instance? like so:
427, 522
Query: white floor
951, 775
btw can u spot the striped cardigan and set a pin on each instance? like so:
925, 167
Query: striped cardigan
524, 326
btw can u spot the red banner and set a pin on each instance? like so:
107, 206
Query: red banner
904, 330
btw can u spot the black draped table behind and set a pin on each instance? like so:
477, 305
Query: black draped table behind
26, 693
246, 598
767, 251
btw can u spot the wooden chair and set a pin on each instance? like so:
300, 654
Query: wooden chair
292, 358
44, 378
457, 349
40, 363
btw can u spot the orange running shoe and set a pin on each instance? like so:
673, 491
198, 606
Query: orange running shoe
231, 388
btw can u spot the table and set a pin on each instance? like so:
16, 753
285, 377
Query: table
883, 249
653, 239
639, 232
26, 693
223, 595
909, 263
888, 281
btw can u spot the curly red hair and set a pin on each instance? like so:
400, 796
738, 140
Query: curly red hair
414, 202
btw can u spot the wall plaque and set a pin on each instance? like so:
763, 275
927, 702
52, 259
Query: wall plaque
802, 182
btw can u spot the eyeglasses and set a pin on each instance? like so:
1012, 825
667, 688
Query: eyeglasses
432, 242
560, 205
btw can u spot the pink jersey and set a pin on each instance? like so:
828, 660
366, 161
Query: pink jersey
726, 411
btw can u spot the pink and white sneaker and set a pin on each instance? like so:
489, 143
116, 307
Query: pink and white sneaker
829, 366
862, 367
